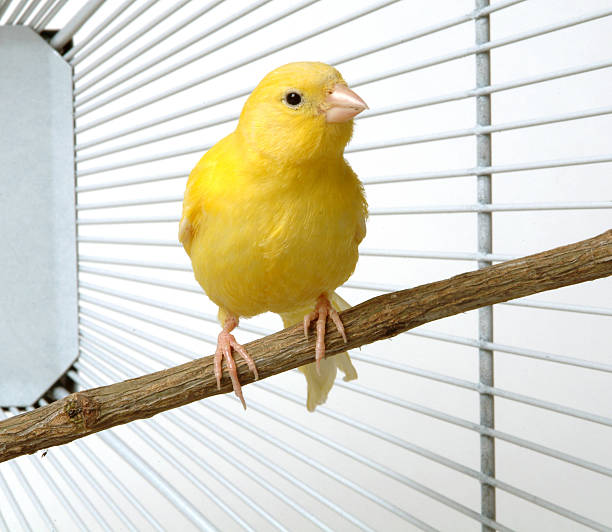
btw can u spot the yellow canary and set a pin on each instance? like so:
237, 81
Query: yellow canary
273, 214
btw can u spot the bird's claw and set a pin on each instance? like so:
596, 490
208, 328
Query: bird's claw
323, 309
225, 343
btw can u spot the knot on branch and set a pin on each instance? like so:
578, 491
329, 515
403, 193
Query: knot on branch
82, 409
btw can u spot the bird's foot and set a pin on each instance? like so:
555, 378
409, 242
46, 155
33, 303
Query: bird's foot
323, 308
225, 343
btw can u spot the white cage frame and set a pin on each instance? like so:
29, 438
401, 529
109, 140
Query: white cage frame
102, 361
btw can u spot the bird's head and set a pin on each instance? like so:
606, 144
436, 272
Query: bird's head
300, 112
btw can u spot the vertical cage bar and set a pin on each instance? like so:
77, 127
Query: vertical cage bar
485, 237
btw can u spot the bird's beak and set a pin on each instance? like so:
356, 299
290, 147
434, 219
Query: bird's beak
342, 104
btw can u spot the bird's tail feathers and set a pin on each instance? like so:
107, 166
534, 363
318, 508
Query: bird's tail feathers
319, 385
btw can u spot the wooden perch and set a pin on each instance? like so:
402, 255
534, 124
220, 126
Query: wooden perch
89, 411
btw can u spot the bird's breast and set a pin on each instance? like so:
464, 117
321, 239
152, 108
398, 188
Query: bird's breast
279, 250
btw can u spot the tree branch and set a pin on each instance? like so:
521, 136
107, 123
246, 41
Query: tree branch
89, 411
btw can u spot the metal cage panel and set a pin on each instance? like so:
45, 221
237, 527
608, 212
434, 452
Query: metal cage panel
38, 320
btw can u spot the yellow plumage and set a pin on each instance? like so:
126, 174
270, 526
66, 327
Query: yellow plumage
319, 383
273, 214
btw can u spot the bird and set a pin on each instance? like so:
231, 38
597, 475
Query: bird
273, 216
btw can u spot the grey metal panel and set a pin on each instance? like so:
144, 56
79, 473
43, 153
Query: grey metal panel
38, 282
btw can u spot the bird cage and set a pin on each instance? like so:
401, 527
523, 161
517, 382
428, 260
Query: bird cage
487, 138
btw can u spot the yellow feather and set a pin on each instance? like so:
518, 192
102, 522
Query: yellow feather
320, 383
273, 214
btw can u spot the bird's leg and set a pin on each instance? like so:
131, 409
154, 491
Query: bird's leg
225, 343
323, 308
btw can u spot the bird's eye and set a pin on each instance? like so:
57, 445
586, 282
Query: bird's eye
293, 99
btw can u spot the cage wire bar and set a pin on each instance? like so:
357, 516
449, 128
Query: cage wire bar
115, 339
485, 246
369, 79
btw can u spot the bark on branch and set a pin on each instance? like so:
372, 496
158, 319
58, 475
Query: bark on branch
93, 410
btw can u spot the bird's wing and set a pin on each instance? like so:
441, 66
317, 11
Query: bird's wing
360, 233
185, 232
191, 211
197, 195
360, 230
